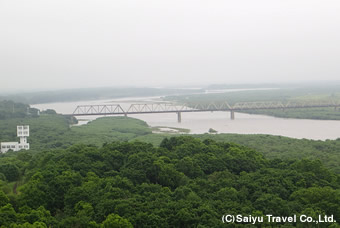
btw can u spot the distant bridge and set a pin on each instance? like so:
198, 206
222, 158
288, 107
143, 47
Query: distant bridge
116, 109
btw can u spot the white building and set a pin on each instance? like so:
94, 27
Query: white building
23, 131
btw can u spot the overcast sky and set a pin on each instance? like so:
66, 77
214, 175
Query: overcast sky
90, 43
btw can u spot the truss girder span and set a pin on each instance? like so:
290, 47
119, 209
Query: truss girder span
113, 109
98, 109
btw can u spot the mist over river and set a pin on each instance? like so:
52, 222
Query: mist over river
201, 122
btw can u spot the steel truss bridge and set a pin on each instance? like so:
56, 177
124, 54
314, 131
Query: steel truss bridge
116, 109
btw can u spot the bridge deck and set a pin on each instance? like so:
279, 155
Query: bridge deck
116, 109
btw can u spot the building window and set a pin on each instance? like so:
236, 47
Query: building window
8, 146
26, 146
25, 128
12, 146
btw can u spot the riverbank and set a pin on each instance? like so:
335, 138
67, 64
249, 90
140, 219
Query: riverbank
322, 94
52, 131
201, 122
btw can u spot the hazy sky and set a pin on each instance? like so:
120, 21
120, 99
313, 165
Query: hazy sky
90, 43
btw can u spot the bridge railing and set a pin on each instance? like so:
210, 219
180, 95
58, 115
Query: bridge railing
168, 107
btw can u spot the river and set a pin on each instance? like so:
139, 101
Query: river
201, 122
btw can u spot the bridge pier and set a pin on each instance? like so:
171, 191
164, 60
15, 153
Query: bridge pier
179, 117
125, 114
232, 115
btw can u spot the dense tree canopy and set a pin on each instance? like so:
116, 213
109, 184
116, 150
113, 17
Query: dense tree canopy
185, 182
91, 176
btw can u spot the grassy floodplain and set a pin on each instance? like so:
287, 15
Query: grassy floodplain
114, 171
321, 93
54, 131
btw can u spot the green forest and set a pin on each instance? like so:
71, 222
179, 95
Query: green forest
114, 172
